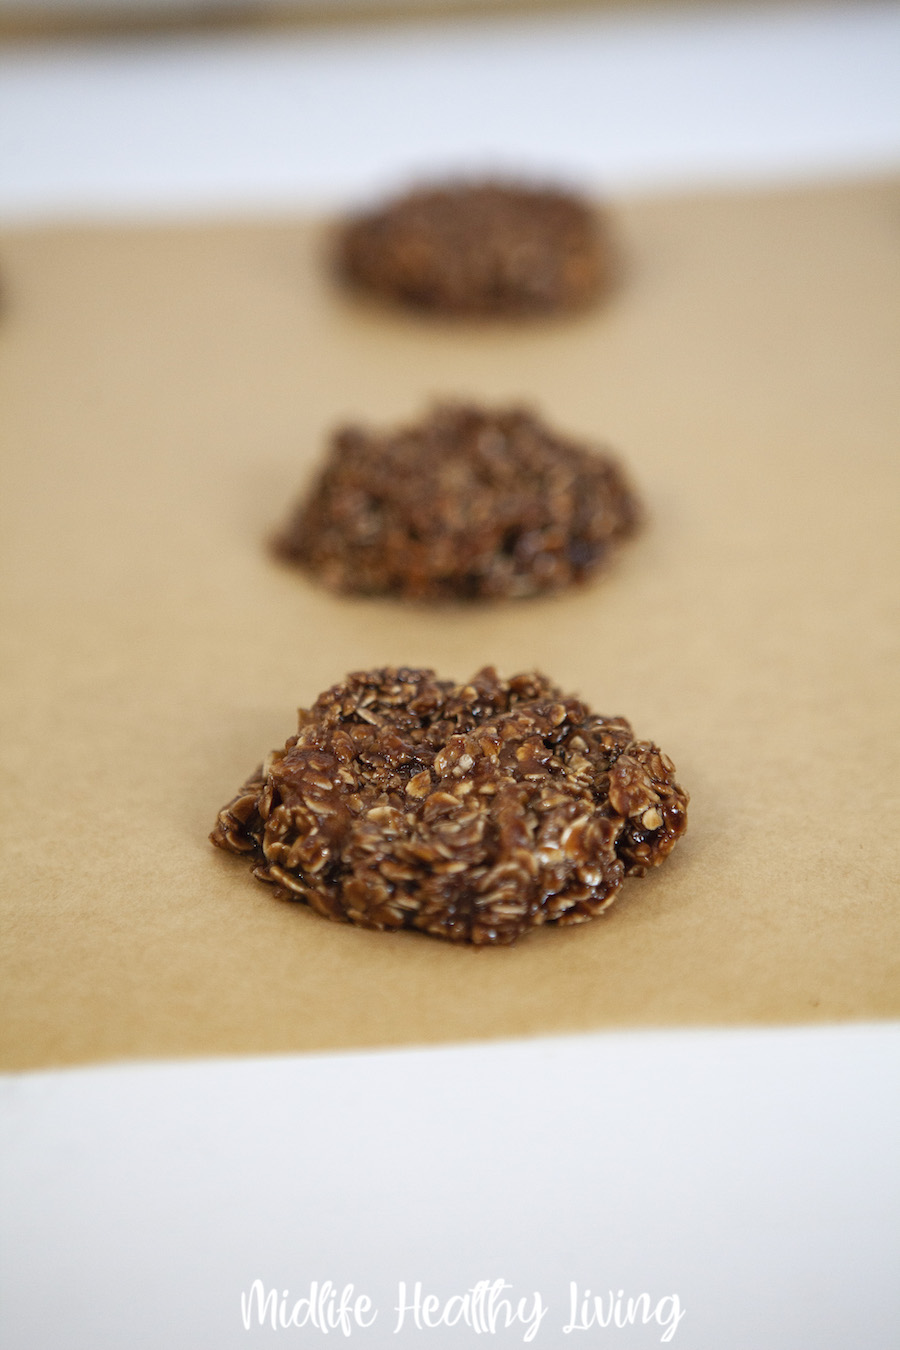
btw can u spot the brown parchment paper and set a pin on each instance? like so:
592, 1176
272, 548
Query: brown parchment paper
165, 394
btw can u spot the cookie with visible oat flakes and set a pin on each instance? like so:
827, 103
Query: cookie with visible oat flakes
472, 812
468, 504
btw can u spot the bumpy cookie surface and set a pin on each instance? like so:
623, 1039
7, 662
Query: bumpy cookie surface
480, 249
472, 812
468, 504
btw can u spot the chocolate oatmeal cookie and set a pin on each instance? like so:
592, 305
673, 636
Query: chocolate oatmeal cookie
468, 504
473, 249
472, 812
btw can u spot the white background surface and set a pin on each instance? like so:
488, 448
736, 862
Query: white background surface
620, 100
754, 1174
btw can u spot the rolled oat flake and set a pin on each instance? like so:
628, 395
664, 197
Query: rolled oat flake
472, 812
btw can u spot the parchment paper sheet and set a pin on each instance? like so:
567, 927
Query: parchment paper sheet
165, 394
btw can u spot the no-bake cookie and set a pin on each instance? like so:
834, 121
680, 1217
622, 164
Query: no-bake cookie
481, 249
468, 504
472, 812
